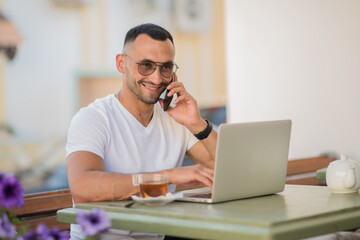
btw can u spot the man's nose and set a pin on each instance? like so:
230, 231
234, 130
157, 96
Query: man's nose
156, 76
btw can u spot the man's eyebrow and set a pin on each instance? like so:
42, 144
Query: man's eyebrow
148, 60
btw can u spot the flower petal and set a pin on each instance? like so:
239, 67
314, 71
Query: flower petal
93, 222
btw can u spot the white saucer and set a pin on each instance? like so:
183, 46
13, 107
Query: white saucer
155, 201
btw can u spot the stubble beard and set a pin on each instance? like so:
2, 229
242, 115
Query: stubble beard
137, 91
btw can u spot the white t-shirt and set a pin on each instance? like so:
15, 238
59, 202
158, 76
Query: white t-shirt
107, 129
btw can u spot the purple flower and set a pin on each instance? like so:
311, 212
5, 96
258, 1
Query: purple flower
11, 191
93, 222
29, 235
44, 233
56, 234
7, 230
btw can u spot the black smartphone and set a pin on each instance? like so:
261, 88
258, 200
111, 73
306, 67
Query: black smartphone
167, 100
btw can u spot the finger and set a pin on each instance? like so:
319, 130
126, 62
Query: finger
176, 85
209, 170
179, 99
202, 175
205, 180
178, 89
184, 98
209, 173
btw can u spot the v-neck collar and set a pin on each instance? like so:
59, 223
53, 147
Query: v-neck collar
133, 118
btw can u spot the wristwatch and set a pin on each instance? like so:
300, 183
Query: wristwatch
205, 133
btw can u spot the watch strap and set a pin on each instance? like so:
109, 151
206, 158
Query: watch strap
205, 133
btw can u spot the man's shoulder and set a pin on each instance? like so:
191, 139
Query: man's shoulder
102, 103
100, 107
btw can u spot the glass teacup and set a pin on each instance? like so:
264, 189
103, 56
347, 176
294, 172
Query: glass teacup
151, 185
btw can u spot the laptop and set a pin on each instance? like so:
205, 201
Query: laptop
251, 161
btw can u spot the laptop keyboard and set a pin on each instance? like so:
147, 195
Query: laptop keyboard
202, 195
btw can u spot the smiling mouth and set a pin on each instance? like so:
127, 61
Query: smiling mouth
152, 87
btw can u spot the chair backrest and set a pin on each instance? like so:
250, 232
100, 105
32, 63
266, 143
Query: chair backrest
42, 208
303, 171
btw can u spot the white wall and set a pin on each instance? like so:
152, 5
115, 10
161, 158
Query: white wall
38, 80
57, 43
297, 59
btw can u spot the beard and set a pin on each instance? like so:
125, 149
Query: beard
136, 89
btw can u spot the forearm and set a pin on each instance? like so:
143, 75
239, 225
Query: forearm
210, 141
93, 186
210, 144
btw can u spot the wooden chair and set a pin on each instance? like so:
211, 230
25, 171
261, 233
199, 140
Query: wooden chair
303, 171
42, 208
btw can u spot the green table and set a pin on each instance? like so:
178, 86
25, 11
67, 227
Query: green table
298, 212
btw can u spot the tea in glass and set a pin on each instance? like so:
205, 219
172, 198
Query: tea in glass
151, 185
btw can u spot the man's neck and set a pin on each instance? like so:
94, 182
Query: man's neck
141, 111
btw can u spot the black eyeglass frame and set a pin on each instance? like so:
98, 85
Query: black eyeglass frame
157, 64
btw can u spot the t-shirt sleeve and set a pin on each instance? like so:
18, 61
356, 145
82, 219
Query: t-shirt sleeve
87, 132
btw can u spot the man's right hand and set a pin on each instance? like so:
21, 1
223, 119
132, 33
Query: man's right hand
191, 175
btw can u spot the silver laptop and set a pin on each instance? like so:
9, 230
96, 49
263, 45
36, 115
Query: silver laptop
251, 160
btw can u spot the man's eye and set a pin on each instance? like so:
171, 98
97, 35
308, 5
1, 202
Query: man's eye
147, 64
167, 66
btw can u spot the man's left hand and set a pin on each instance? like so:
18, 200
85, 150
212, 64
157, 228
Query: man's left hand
186, 111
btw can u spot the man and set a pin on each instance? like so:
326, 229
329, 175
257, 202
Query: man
129, 132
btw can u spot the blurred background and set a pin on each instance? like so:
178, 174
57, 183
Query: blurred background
243, 60
59, 55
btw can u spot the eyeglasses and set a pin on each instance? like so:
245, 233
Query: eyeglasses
146, 68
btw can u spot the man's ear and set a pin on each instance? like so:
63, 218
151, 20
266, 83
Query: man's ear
120, 63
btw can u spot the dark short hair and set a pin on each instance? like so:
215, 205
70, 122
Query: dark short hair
152, 30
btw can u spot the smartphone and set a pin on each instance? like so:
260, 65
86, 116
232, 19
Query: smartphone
167, 99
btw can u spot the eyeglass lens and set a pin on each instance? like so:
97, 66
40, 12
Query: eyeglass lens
166, 70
